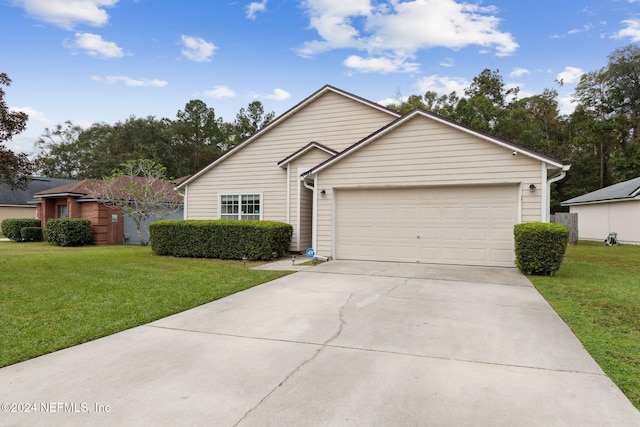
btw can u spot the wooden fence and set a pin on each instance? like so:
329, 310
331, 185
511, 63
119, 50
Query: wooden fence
570, 220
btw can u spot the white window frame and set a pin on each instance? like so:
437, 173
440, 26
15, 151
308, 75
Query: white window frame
239, 195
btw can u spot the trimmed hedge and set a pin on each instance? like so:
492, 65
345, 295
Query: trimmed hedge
224, 239
68, 231
11, 227
540, 247
31, 234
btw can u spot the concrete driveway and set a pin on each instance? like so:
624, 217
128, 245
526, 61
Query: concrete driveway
343, 343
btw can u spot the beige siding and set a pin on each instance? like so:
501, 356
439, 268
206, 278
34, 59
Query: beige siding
17, 212
596, 221
304, 208
423, 152
332, 120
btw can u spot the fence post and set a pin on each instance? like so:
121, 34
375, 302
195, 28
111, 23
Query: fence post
570, 220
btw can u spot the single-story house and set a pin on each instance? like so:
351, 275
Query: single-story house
359, 181
79, 200
612, 209
18, 203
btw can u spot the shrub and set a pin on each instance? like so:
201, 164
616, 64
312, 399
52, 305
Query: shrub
31, 234
11, 227
224, 239
540, 247
68, 231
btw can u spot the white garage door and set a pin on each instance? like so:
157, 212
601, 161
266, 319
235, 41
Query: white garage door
471, 225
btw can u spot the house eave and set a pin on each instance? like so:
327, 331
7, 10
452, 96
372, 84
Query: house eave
284, 162
551, 163
600, 202
280, 119
53, 195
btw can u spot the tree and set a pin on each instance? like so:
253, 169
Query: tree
59, 152
15, 168
248, 121
103, 147
595, 107
141, 190
623, 77
197, 135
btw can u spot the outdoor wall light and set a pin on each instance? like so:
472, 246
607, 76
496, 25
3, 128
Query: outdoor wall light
323, 193
532, 188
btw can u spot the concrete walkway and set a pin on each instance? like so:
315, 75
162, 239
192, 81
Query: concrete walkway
342, 343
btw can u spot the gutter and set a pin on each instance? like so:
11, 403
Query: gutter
314, 211
563, 173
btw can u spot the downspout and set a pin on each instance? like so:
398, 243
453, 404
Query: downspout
563, 173
288, 193
314, 213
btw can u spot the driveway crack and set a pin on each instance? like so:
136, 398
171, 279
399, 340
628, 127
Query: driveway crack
305, 362
388, 293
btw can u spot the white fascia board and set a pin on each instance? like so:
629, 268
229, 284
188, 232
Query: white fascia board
411, 115
600, 202
304, 151
496, 141
283, 117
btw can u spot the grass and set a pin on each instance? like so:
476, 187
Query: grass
52, 297
597, 293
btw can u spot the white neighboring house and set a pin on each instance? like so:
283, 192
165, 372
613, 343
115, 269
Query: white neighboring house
613, 209
358, 181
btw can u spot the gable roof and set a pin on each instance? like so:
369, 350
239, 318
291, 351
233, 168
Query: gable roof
283, 117
75, 188
623, 191
420, 112
85, 190
23, 197
303, 150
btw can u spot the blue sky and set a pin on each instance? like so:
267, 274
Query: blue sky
104, 60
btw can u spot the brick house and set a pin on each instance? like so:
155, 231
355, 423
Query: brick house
76, 200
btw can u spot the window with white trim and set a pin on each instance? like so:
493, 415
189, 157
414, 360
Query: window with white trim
240, 206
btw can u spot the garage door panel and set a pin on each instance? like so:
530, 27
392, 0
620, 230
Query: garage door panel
477, 255
503, 212
477, 234
384, 232
452, 213
386, 213
459, 225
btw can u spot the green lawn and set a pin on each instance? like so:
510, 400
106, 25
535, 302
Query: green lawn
597, 293
53, 297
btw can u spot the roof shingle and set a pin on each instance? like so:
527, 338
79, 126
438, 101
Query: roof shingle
627, 190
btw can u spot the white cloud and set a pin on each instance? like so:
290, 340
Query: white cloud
34, 115
379, 65
442, 85
66, 13
584, 29
392, 101
278, 95
519, 72
570, 75
631, 31
94, 45
447, 62
566, 105
220, 92
398, 29
24, 142
256, 7
131, 82
197, 49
